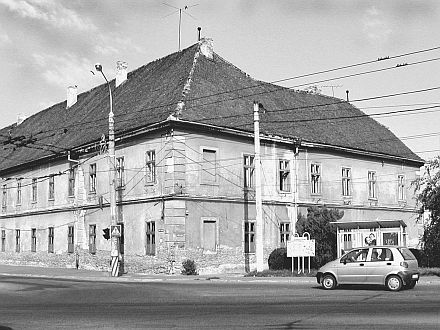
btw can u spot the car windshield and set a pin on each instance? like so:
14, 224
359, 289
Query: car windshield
407, 254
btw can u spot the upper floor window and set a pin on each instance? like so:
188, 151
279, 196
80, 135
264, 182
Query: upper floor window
92, 178
209, 166
346, 181
248, 171
372, 182
120, 172
52, 187
4, 197
401, 188
19, 190
315, 178
150, 166
71, 190
34, 190
284, 175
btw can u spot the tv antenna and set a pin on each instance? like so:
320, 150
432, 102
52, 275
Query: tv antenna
332, 87
181, 10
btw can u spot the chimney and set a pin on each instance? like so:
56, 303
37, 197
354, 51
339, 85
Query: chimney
207, 47
21, 118
121, 72
199, 29
72, 92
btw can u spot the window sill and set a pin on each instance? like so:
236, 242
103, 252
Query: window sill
209, 184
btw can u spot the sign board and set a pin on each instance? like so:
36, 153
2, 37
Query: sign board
301, 247
115, 231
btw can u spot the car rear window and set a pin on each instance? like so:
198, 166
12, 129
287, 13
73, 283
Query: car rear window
407, 254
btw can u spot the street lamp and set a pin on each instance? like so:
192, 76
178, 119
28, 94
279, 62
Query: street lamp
112, 178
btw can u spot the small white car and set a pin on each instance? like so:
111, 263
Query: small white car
392, 266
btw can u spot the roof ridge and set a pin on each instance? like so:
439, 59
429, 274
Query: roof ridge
187, 86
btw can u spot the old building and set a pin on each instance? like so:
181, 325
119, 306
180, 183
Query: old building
185, 170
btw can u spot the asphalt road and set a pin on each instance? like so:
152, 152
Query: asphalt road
30, 303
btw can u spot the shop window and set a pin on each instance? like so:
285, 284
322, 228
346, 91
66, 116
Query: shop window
70, 239
284, 233
151, 238
284, 175
34, 240
249, 237
390, 238
51, 237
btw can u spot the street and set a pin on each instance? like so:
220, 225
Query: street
32, 303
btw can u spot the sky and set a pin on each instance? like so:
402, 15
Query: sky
47, 45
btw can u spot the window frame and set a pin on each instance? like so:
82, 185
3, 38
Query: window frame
51, 182
208, 166
33, 239
249, 231
120, 172
50, 239
249, 172
284, 172
71, 182
285, 232
19, 191
150, 238
401, 196
92, 178
34, 188
346, 179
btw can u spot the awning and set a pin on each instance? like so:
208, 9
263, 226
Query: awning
369, 224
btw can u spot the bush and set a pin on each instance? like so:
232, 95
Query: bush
189, 267
278, 260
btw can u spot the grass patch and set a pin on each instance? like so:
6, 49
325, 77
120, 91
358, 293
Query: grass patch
280, 273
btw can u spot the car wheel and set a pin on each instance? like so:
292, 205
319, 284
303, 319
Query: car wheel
394, 283
328, 282
411, 285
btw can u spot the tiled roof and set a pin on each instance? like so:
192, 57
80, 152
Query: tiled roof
195, 88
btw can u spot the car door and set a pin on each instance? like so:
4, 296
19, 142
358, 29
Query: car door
379, 264
352, 267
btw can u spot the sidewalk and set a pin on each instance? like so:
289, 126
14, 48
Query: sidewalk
93, 275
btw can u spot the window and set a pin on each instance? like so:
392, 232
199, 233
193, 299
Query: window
50, 240
120, 172
249, 237
390, 238
3, 240
209, 166
19, 189
284, 233
121, 239
4, 197
284, 175
372, 194
381, 254
52, 187
348, 240
34, 240
150, 166
70, 239
248, 171
17, 240
401, 188
92, 178
71, 188
151, 238
315, 178
92, 239
34, 190
346, 181
358, 255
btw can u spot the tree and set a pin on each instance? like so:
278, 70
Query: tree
317, 224
427, 188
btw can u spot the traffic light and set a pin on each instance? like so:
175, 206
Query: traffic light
106, 234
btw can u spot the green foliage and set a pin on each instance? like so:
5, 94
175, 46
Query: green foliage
427, 188
278, 259
317, 224
189, 267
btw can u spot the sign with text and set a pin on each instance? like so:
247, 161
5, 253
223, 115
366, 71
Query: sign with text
301, 247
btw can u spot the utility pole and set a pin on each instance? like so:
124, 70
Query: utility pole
112, 179
259, 239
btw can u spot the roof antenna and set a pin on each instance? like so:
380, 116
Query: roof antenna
199, 29
347, 91
180, 14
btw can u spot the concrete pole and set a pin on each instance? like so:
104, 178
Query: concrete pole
112, 180
259, 239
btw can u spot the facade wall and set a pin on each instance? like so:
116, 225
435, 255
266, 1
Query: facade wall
197, 201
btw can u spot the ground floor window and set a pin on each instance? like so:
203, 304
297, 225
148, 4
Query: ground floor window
34, 240
151, 238
249, 237
17, 240
50, 239
3, 240
92, 239
209, 232
70, 239
284, 233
